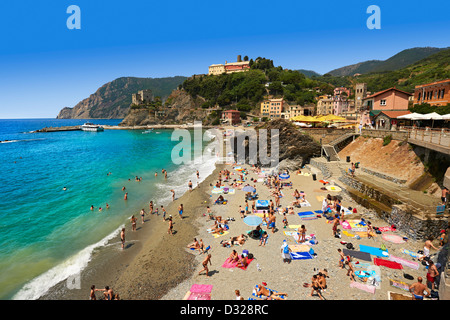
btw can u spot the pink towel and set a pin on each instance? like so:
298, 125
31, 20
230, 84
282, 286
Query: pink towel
384, 229
345, 225
228, 264
201, 288
199, 296
404, 262
362, 286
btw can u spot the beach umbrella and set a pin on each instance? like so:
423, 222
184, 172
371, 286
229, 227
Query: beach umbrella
248, 189
284, 176
253, 220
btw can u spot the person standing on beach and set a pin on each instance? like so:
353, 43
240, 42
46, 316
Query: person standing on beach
170, 226
432, 274
272, 220
165, 174
205, 264
351, 271
341, 258
150, 207
444, 194
122, 237
335, 224
164, 213
173, 194
142, 215
190, 185
198, 175
126, 196
133, 223
180, 210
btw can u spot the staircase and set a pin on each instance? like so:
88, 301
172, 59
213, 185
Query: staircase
330, 152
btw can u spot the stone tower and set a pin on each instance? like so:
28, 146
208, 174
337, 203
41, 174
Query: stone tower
360, 94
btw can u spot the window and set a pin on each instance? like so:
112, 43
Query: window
382, 102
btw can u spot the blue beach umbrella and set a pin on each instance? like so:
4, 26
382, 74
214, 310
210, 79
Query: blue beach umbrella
284, 176
248, 189
252, 220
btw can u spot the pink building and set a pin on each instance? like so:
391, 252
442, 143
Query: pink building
391, 99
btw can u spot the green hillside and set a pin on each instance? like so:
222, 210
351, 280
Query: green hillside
396, 62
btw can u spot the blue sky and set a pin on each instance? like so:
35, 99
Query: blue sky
44, 66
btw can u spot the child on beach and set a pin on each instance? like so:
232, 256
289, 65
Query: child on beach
170, 226
342, 258
133, 223
263, 239
285, 222
205, 264
301, 232
180, 211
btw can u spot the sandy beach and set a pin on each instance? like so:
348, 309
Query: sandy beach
268, 265
157, 265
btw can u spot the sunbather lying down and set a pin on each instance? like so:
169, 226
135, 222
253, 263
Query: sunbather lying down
240, 240
269, 294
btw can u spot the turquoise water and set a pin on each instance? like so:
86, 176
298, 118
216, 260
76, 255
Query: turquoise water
48, 233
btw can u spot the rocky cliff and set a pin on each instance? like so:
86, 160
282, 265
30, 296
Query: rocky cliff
180, 108
113, 99
295, 148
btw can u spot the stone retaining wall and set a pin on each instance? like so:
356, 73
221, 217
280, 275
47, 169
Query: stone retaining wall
383, 176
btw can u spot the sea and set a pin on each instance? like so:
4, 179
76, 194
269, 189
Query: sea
49, 181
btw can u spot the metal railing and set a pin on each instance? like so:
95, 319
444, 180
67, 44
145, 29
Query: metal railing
437, 136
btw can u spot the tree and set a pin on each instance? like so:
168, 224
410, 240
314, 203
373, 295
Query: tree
246, 58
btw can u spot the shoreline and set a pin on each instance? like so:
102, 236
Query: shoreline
145, 254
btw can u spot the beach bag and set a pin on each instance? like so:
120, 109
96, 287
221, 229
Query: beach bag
408, 276
383, 247
350, 246
250, 256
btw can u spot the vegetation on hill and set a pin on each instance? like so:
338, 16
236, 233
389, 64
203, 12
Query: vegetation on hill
397, 61
245, 90
432, 68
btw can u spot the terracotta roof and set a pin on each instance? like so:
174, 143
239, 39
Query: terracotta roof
381, 92
394, 114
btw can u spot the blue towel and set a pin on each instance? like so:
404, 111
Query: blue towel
372, 250
306, 213
300, 255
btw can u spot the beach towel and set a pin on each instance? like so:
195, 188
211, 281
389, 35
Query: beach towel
346, 211
387, 263
362, 234
215, 235
305, 204
410, 253
362, 286
319, 211
393, 238
245, 268
324, 181
345, 225
373, 251
306, 213
404, 262
300, 248
365, 273
309, 217
384, 229
358, 254
229, 264
362, 265
399, 284
199, 292
300, 255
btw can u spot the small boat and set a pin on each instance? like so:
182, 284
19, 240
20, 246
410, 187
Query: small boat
148, 131
91, 127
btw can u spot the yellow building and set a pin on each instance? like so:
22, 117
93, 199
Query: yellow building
216, 69
325, 106
272, 108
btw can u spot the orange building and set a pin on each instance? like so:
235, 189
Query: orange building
434, 93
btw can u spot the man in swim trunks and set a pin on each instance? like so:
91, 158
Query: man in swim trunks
432, 273
269, 294
205, 264
418, 289
426, 248
272, 220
